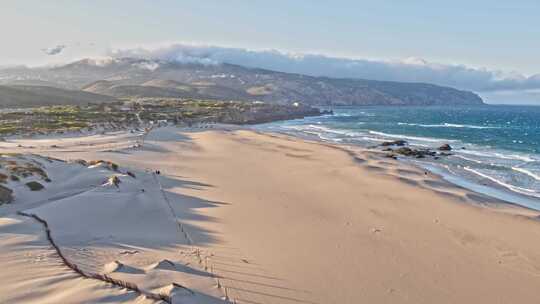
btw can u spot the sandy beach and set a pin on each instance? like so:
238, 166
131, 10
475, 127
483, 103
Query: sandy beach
283, 220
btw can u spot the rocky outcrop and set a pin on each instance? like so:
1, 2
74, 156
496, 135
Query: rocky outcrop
394, 143
418, 153
268, 113
6, 195
445, 147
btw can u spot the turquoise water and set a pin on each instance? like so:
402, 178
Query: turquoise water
496, 148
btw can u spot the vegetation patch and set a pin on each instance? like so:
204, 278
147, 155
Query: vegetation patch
14, 168
34, 186
114, 180
130, 113
110, 165
26, 170
6, 195
3, 178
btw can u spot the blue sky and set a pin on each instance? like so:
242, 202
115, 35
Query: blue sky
491, 35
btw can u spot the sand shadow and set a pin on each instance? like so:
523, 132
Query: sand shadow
174, 136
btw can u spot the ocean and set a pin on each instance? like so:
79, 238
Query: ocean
496, 149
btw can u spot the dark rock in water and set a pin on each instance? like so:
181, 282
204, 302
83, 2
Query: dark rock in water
327, 112
387, 149
34, 186
427, 152
445, 147
6, 195
406, 151
394, 143
445, 154
391, 155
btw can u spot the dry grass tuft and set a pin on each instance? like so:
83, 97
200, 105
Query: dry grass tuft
109, 164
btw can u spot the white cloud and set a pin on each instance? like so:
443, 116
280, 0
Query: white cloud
54, 50
524, 97
408, 70
151, 66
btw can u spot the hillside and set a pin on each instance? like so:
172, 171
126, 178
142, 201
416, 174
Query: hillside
21, 96
166, 89
128, 77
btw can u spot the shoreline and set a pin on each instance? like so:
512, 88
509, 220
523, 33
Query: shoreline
479, 184
494, 197
488, 194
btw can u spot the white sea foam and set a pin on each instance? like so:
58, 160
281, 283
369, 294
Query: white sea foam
367, 114
446, 125
525, 158
321, 136
330, 130
369, 138
428, 139
469, 159
517, 189
527, 172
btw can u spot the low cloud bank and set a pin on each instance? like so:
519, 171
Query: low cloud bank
408, 70
54, 50
520, 97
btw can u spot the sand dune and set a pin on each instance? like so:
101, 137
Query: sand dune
164, 265
110, 231
31, 271
274, 219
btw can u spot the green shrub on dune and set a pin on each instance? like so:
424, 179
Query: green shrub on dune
34, 186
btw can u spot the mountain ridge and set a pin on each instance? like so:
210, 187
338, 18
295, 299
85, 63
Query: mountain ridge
23, 96
129, 77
